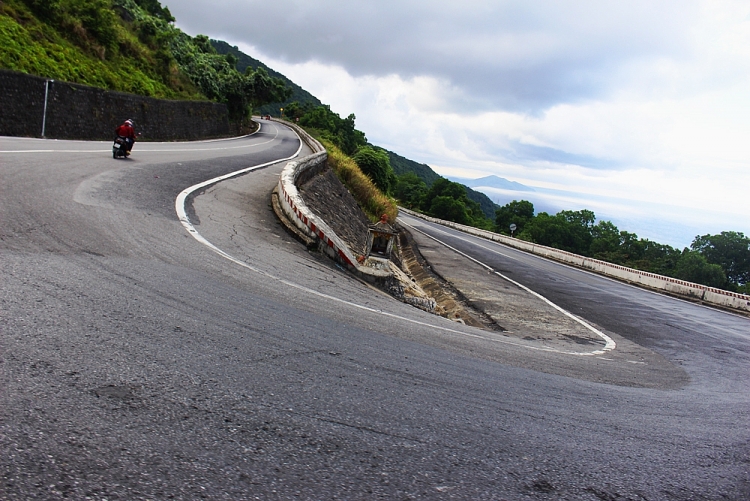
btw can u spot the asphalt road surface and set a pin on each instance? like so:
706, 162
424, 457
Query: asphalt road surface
216, 358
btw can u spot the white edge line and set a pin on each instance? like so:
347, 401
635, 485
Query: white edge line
576, 268
609, 342
185, 221
151, 151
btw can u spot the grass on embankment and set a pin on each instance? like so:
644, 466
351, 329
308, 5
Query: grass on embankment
31, 46
372, 201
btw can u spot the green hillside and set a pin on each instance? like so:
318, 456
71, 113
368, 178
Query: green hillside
299, 95
487, 205
402, 165
128, 46
112, 45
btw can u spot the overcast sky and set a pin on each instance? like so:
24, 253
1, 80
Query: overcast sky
642, 101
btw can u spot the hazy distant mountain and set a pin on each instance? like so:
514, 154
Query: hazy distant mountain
403, 165
492, 182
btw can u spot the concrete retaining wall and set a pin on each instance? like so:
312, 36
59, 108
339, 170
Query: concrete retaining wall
710, 295
294, 207
76, 111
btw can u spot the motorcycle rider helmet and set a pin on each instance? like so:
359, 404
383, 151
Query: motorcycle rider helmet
129, 122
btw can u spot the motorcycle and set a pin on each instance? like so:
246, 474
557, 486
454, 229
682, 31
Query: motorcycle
120, 147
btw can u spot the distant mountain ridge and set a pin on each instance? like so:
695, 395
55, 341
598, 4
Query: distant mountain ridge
402, 165
492, 182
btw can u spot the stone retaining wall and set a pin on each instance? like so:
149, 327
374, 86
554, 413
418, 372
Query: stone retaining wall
76, 111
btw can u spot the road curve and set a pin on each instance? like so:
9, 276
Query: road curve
139, 363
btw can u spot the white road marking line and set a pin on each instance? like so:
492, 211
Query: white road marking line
468, 241
609, 342
593, 274
185, 221
144, 148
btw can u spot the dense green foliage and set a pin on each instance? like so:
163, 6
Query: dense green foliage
90, 42
402, 166
518, 213
375, 163
130, 46
410, 189
444, 199
721, 261
298, 95
693, 267
339, 131
730, 250
488, 206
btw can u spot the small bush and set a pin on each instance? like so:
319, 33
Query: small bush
372, 201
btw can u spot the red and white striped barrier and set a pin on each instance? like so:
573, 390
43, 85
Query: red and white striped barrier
311, 225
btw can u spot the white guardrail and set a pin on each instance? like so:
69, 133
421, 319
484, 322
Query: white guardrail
710, 295
311, 225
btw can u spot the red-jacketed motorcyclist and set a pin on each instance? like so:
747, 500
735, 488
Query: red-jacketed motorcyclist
127, 131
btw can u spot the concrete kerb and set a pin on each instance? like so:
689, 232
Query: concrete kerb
309, 224
708, 295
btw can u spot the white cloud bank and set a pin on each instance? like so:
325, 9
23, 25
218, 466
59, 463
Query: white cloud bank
640, 101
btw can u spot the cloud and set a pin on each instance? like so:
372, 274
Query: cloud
521, 56
644, 101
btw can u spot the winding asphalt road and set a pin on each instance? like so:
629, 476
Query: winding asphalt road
138, 362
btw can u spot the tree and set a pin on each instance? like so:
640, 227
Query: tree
450, 209
295, 111
458, 192
515, 212
410, 190
567, 230
377, 166
730, 250
606, 242
339, 131
693, 267
46, 9
231, 60
581, 224
204, 44
262, 88
658, 258
154, 8
446, 188
349, 137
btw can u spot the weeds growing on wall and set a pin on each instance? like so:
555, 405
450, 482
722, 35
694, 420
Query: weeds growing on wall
372, 201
